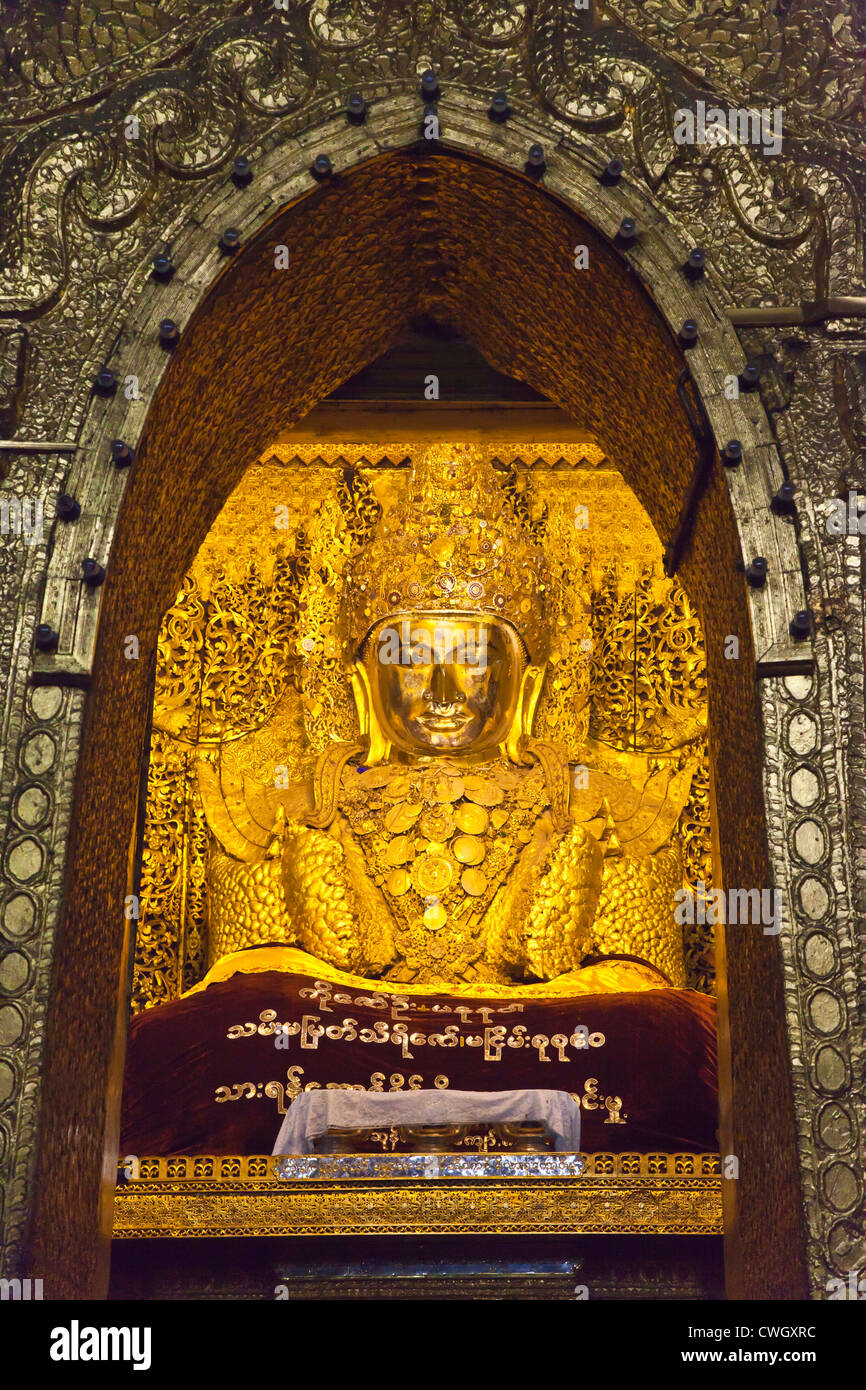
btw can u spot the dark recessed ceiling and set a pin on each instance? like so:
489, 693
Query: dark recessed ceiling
433, 349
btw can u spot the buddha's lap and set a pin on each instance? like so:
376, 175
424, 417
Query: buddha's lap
212, 1072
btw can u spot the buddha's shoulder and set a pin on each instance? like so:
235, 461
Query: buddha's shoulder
243, 815
642, 800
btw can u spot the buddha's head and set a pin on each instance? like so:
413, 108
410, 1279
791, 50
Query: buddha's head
445, 616
444, 683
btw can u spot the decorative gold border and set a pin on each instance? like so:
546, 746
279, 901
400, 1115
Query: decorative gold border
394, 453
626, 1194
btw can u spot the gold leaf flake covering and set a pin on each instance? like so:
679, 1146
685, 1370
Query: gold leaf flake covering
558, 934
634, 914
247, 905
337, 914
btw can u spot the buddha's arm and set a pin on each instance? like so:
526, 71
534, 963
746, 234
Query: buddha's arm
246, 904
558, 930
540, 922
246, 901
338, 913
636, 911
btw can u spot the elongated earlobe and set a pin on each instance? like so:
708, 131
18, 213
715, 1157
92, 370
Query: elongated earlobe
378, 747
524, 714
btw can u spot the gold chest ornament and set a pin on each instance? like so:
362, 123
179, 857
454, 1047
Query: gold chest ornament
440, 841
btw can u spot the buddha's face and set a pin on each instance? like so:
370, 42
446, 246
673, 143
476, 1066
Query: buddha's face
444, 685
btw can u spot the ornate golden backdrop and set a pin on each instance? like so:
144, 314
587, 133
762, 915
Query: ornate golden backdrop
250, 677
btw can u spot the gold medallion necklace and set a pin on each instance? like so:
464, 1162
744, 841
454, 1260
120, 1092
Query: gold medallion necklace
440, 841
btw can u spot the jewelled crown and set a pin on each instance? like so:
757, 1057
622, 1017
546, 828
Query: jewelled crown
451, 545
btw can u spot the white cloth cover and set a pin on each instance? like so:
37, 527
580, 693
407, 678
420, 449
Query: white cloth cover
313, 1112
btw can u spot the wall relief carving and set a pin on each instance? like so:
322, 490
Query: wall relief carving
619, 71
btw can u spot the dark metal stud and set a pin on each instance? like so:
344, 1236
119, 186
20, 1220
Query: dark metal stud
430, 86
750, 376
169, 334
242, 171
163, 269
230, 241
627, 234
121, 453
68, 509
611, 173
105, 383
46, 639
499, 110
732, 454
688, 334
696, 263
800, 625
93, 573
322, 167
783, 502
756, 572
535, 161
356, 109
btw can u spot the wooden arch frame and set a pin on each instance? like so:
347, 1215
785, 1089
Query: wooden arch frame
403, 234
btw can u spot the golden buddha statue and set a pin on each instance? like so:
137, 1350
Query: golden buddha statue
447, 848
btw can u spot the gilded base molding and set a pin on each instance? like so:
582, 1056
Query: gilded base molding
201, 1196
